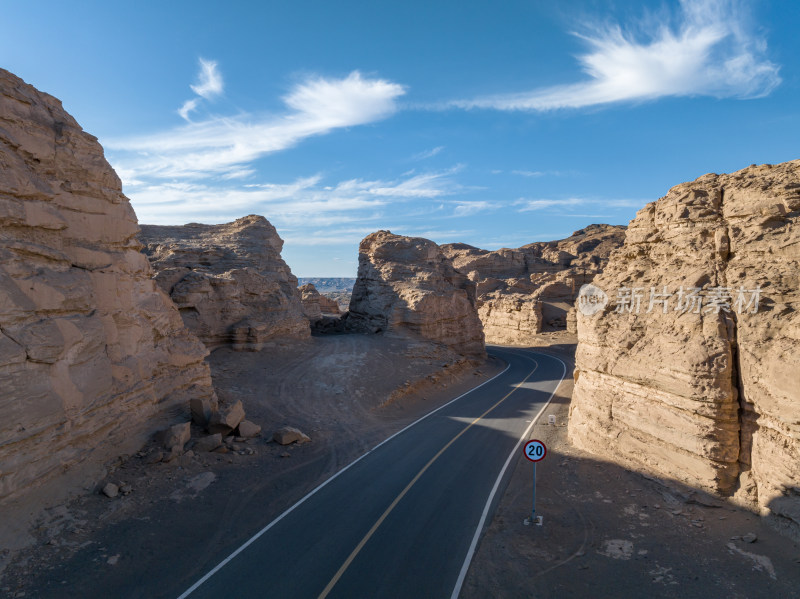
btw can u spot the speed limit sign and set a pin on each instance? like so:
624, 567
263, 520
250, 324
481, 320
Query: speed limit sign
535, 450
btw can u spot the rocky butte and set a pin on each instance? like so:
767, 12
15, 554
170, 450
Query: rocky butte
691, 369
407, 285
523, 291
229, 281
93, 356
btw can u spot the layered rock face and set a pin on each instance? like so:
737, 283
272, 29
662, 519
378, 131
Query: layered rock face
702, 386
310, 300
229, 281
407, 284
328, 305
315, 304
93, 356
526, 290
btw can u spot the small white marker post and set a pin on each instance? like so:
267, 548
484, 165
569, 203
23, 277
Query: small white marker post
535, 451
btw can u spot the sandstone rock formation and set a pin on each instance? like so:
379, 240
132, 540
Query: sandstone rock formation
228, 281
523, 291
407, 284
328, 305
703, 386
315, 304
310, 299
94, 358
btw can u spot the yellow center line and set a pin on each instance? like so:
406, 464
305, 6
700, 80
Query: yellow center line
402, 494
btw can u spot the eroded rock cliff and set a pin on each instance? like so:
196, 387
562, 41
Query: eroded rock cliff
315, 305
93, 356
310, 299
523, 291
328, 305
407, 284
229, 281
691, 369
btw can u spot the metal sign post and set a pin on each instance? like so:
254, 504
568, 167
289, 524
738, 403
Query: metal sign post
535, 451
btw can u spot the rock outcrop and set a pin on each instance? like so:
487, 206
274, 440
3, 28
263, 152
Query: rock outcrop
328, 305
94, 358
521, 292
683, 371
406, 284
310, 298
337, 290
315, 305
229, 281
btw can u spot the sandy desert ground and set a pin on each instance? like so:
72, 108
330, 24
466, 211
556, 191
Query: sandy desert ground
347, 392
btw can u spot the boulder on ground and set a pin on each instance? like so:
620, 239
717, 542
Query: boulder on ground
248, 429
202, 409
110, 490
175, 436
289, 434
209, 443
226, 419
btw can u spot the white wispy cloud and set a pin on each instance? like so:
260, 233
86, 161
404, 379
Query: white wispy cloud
210, 80
474, 207
223, 146
303, 203
209, 85
188, 107
541, 204
548, 173
710, 52
530, 205
427, 153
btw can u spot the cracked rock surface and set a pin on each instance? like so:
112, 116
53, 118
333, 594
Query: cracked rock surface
94, 358
703, 386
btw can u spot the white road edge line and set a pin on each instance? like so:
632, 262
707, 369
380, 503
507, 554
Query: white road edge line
470, 554
256, 536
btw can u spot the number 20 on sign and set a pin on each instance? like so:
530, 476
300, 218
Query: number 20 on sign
535, 451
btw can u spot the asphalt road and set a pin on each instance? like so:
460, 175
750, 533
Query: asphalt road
402, 520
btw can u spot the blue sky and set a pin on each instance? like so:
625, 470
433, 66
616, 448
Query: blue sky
490, 123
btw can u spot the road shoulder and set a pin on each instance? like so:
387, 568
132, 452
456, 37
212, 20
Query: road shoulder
611, 532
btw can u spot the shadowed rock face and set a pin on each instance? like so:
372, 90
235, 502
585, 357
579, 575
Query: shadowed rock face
406, 284
93, 356
709, 398
523, 291
229, 281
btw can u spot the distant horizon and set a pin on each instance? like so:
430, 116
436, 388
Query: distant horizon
491, 125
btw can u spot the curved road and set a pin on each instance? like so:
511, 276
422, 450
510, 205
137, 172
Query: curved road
403, 520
